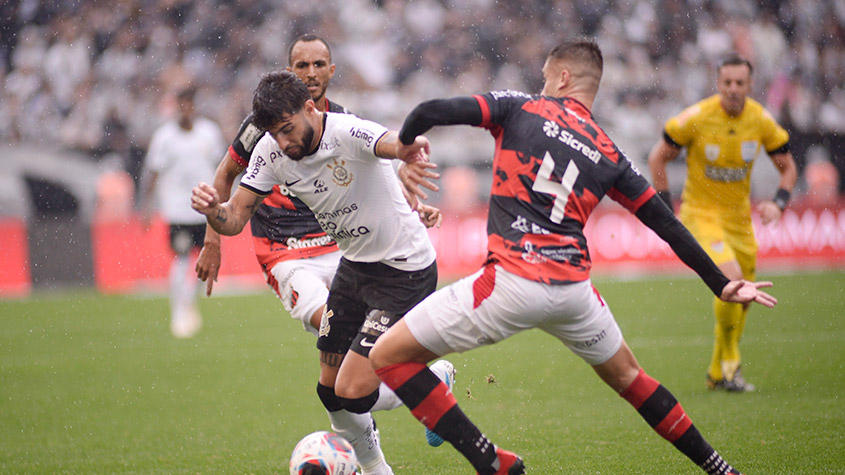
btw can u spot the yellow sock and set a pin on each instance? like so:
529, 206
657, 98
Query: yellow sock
730, 321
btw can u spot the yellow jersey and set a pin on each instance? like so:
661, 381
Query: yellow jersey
721, 150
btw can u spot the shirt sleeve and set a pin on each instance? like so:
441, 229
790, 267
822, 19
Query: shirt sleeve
247, 137
259, 176
631, 189
681, 129
361, 136
496, 106
774, 136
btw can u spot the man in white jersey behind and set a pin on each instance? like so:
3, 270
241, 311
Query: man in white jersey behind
182, 151
335, 164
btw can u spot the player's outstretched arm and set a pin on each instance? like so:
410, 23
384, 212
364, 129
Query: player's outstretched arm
208, 263
227, 218
743, 291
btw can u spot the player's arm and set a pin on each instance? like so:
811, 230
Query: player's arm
459, 110
660, 219
662, 153
208, 263
227, 218
149, 183
771, 210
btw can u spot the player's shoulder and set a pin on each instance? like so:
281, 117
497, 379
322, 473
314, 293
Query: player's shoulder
337, 108
507, 93
703, 108
757, 110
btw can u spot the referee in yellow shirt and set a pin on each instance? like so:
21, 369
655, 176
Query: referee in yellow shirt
723, 135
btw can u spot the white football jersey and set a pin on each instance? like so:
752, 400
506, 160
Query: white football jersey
355, 195
182, 158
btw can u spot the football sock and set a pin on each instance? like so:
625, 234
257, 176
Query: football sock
431, 402
359, 431
387, 399
180, 286
728, 329
665, 415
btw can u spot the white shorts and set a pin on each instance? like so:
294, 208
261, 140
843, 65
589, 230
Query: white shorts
303, 285
494, 304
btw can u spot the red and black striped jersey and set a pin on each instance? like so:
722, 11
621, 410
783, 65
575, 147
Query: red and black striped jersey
552, 166
282, 221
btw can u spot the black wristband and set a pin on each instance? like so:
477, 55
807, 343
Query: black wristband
666, 196
781, 198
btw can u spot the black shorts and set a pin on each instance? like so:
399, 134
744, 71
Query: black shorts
184, 237
358, 288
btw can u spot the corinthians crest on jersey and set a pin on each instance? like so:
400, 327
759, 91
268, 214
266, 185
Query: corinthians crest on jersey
340, 175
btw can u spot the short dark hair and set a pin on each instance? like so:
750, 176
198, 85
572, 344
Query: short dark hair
279, 95
582, 50
306, 38
734, 59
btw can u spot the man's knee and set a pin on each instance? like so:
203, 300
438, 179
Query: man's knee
327, 396
361, 405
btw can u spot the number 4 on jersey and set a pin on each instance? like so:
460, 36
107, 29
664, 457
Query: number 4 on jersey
543, 183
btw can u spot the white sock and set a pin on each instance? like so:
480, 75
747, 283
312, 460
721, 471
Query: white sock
178, 269
387, 399
358, 430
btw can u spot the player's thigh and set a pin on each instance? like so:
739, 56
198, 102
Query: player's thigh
708, 230
462, 316
302, 285
583, 322
743, 243
345, 312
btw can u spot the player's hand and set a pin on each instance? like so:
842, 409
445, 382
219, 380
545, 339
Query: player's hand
204, 198
430, 215
208, 264
743, 291
416, 152
416, 174
769, 212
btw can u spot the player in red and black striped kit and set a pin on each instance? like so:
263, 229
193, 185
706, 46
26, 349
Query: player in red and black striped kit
298, 258
552, 166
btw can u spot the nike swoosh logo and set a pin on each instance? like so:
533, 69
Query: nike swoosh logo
367, 344
291, 183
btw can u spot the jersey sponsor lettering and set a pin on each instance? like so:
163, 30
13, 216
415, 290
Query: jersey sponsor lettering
360, 133
552, 165
725, 174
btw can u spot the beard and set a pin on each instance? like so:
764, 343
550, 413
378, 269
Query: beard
298, 152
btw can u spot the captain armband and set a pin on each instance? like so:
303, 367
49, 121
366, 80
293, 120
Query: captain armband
781, 198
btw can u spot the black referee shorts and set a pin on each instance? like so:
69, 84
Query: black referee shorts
358, 288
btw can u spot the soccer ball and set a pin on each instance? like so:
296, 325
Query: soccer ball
323, 453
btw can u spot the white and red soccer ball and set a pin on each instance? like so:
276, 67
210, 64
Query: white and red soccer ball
323, 453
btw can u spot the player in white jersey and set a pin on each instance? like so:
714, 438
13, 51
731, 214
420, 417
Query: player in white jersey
182, 151
336, 165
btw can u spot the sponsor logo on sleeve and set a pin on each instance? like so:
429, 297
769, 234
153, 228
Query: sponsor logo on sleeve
250, 136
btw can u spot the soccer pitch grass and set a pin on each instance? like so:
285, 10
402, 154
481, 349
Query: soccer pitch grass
96, 384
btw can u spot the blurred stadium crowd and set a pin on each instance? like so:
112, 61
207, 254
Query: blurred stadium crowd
99, 77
